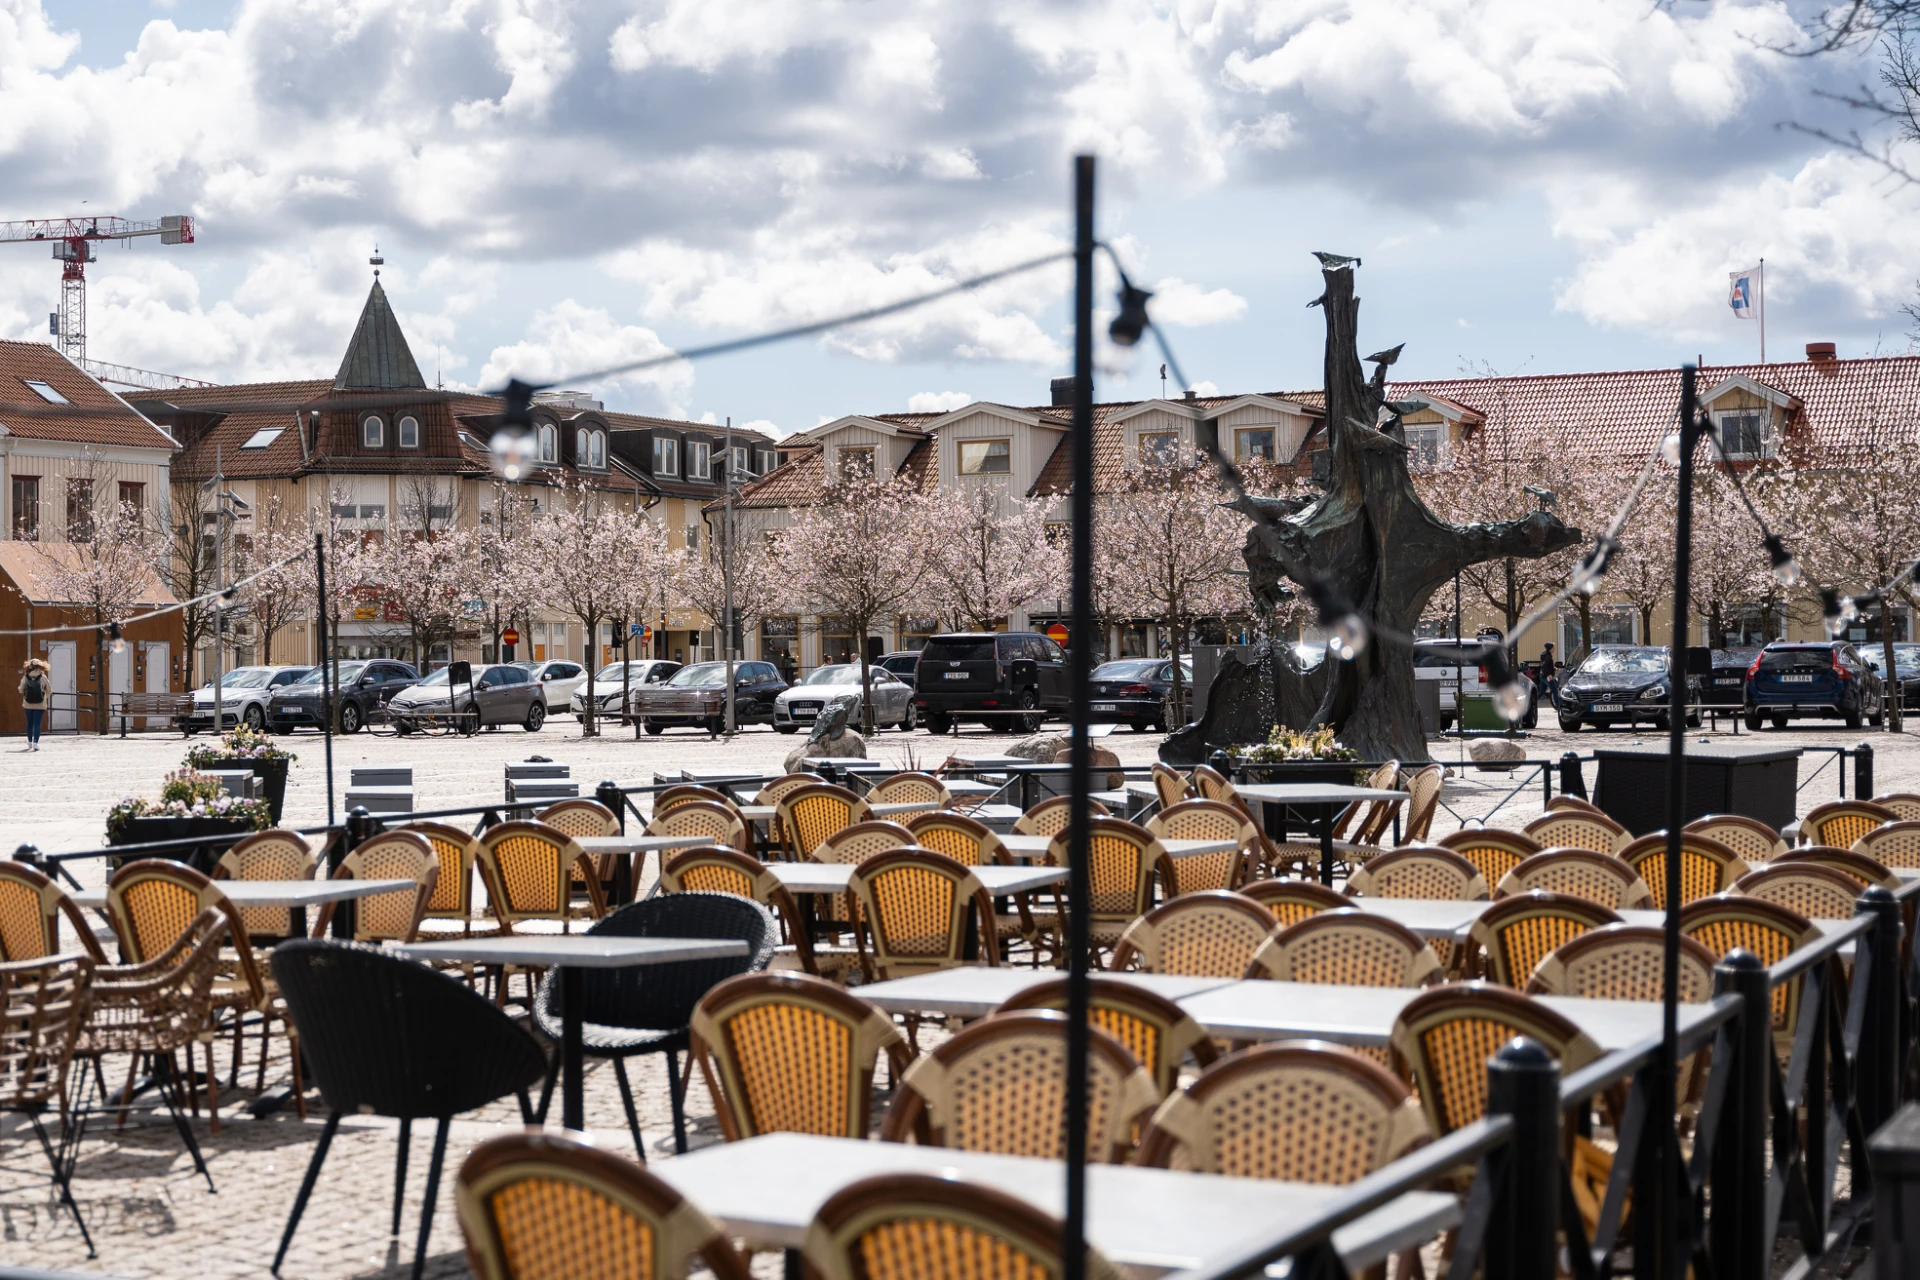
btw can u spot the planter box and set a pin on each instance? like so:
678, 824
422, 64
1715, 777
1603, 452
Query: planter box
273, 779
199, 857
1754, 782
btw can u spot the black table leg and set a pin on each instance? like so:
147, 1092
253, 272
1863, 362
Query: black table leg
573, 1111
1326, 845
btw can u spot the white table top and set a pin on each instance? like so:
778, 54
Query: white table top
975, 992
637, 843
757, 812
832, 877
891, 808
277, 893
1428, 917
855, 763
989, 760
1151, 1221
578, 950
1021, 846
967, 787
1314, 793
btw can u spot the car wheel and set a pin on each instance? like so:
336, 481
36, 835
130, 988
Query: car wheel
1138, 726
1693, 720
1879, 716
653, 728
1779, 722
1852, 718
254, 717
716, 725
1027, 702
911, 720
939, 723
536, 716
350, 718
1568, 724
402, 728
786, 728
470, 719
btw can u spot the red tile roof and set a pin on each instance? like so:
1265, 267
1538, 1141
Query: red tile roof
92, 414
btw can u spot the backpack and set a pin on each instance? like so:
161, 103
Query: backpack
35, 691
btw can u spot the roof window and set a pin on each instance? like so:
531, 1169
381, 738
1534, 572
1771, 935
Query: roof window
46, 392
263, 437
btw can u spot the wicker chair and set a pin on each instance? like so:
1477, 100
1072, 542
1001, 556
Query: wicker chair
452, 901
915, 905
1123, 861
1210, 784
1372, 815
1347, 948
1050, 816
582, 818
1895, 845
967, 841
717, 869
540, 1205
1291, 901
1753, 840
1843, 822
1444, 1037
49, 1000
1817, 892
1305, 1111
1707, 867
387, 917
1576, 803
673, 797
1905, 805
717, 823
1420, 871
1170, 786
1158, 1032
1772, 932
1597, 877
770, 795
1622, 962
1294, 858
808, 814
915, 1226
999, 1085
1857, 865
910, 788
1423, 792
1210, 934
31, 905
1515, 934
390, 1037
528, 869
1579, 830
267, 855
1206, 820
1493, 852
787, 1053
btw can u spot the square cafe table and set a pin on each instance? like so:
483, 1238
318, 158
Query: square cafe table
296, 894
1150, 1221
630, 853
1023, 846
975, 992
833, 877
571, 953
1323, 796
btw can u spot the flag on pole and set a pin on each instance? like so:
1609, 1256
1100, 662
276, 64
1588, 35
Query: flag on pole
1743, 289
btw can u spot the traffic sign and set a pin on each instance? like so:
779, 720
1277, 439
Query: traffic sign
638, 630
1057, 633
509, 636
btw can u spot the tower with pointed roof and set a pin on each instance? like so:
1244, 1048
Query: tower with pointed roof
378, 358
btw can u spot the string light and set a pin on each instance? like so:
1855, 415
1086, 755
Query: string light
1786, 570
116, 643
1132, 320
1586, 578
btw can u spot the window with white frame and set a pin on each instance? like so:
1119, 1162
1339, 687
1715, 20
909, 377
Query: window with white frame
1253, 442
373, 432
666, 456
693, 537
766, 461
699, 460
856, 463
549, 445
1426, 446
1159, 448
741, 470
1743, 433
409, 432
986, 457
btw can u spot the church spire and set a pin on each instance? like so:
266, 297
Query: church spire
378, 358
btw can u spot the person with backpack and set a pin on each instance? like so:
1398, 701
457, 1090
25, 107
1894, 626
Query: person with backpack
34, 694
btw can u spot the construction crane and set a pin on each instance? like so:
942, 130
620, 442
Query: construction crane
73, 240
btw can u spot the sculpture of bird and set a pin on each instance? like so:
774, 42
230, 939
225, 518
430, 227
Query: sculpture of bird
1388, 356
1335, 261
1547, 499
1318, 301
1401, 408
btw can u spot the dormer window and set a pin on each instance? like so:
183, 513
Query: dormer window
856, 463
666, 456
1743, 433
597, 448
1426, 446
699, 460
766, 461
373, 432
1253, 442
409, 432
1159, 448
549, 450
986, 457
739, 464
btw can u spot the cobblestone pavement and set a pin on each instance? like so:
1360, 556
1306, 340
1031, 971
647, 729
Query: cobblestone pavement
152, 1216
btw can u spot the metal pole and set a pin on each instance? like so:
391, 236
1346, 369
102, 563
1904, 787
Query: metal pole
1673, 1256
1079, 670
1523, 1081
326, 683
1737, 1232
219, 580
726, 576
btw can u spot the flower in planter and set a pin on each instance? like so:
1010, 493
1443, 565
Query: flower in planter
1285, 744
240, 744
186, 794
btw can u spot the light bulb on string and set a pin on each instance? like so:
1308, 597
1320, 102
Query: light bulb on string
1132, 319
1511, 700
1786, 570
1835, 612
1670, 450
1347, 638
511, 452
1586, 578
116, 642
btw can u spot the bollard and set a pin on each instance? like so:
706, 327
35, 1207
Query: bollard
1523, 1081
609, 794
1863, 772
1894, 1152
1571, 783
1877, 1086
1737, 1234
1222, 763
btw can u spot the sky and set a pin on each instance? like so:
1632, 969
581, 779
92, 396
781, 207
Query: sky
562, 187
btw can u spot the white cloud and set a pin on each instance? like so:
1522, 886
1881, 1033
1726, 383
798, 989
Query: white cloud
568, 340
937, 401
1179, 303
1204, 389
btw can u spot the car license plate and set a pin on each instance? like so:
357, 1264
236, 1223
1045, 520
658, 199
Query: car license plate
1796, 679
804, 713
289, 711
1605, 708
1729, 680
953, 675
1106, 706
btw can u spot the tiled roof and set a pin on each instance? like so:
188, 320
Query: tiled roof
29, 566
378, 358
92, 414
796, 484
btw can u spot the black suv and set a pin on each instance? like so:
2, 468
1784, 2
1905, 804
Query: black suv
985, 675
364, 688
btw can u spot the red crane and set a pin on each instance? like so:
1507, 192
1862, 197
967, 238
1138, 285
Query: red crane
73, 240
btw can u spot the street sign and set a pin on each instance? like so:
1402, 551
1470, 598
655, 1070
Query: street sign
509, 636
638, 630
1057, 633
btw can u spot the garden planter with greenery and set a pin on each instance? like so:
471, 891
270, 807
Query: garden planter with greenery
189, 805
251, 749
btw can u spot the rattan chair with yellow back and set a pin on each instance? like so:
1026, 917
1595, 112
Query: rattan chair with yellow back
1050, 816
1291, 901
999, 1085
769, 795
1843, 822
1206, 820
1755, 841
1420, 871
582, 818
1857, 865
1816, 892
541, 1205
1578, 829
1302, 1111
1210, 784
965, 840
277, 854
1423, 787
394, 916
1213, 933
718, 869
1597, 877
1767, 929
47, 1005
1895, 845
1622, 962
1347, 948
911, 787
1565, 801
918, 1226
528, 870
717, 823
1444, 1037
1707, 867
1171, 785
1124, 859
31, 907
1156, 1031
915, 906
1905, 805
452, 901
673, 797
789, 1053
1511, 937
856, 843
809, 813
1492, 850
1370, 815
1278, 857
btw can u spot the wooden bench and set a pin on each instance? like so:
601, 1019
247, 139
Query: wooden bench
172, 708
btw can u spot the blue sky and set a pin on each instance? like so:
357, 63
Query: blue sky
559, 186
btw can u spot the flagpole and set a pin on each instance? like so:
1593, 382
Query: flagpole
1763, 310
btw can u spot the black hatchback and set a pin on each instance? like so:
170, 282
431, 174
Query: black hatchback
1795, 681
1133, 691
1007, 681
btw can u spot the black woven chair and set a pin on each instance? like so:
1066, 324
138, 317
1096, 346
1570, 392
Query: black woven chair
390, 1037
646, 1008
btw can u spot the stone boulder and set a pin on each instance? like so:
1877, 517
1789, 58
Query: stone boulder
1041, 748
847, 744
1496, 755
1102, 759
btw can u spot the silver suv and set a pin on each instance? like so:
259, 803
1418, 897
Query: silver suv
244, 694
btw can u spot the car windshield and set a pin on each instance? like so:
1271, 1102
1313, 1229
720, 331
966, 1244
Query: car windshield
349, 672
959, 650
707, 675
1810, 659
1443, 655
247, 678
1138, 669
1906, 655
438, 677
611, 672
834, 675
1632, 662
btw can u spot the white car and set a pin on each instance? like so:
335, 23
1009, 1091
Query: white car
557, 679
609, 681
799, 706
244, 694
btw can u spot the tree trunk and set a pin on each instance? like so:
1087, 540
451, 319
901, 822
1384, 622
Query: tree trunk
866, 689
1892, 696
588, 728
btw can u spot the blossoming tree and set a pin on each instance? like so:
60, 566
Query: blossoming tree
989, 553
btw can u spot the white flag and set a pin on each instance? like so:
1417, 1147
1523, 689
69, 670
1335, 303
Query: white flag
1743, 289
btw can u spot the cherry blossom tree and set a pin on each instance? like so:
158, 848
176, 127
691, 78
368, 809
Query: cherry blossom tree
1640, 571
501, 574
989, 554
1729, 568
101, 570
420, 570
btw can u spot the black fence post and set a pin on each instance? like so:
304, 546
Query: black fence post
1523, 1081
30, 855
1863, 772
361, 827
609, 794
1737, 1232
1877, 1086
1571, 783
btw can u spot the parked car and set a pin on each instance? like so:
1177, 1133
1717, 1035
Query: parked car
902, 663
612, 679
500, 693
801, 704
1790, 681
244, 695
364, 688
1906, 669
558, 679
1456, 667
1133, 691
1621, 684
1727, 685
966, 673
697, 695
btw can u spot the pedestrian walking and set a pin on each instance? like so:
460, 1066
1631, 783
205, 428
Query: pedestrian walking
1549, 671
34, 693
